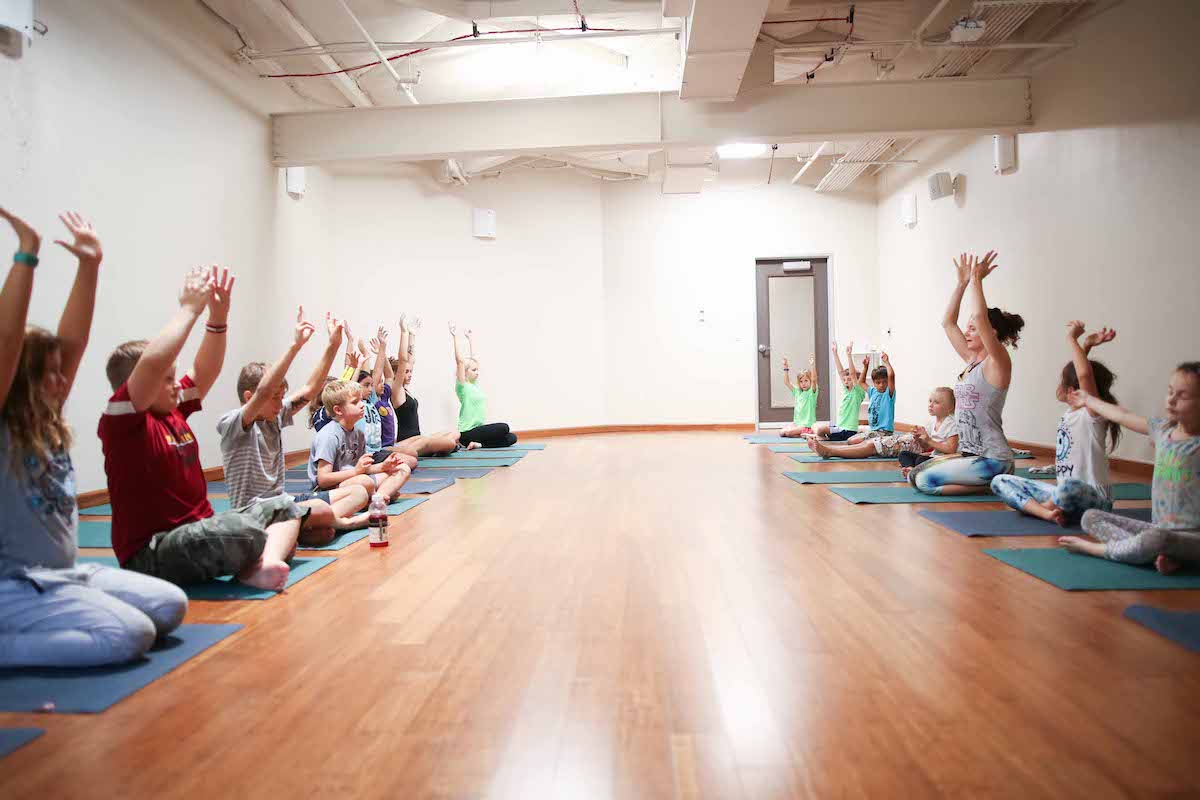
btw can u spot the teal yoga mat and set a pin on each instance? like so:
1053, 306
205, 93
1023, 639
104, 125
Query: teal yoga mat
344, 540
226, 588
12, 739
90, 690
815, 459
1181, 627
454, 463
869, 476
769, 438
790, 448
1080, 573
907, 494
523, 446
488, 453
219, 505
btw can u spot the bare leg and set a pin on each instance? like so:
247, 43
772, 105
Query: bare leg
390, 486
318, 527
347, 501
271, 571
1077, 545
864, 450
1047, 511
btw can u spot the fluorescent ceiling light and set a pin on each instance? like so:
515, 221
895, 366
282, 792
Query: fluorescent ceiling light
741, 150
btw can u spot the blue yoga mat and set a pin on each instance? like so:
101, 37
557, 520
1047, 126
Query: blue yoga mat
226, 588
864, 476
1079, 573
770, 438
1181, 627
1011, 523
398, 507
93, 689
484, 453
815, 459
219, 505
907, 494
12, 739
525, 446
454, 463
790, 448
419, 485
218, 487
347, 538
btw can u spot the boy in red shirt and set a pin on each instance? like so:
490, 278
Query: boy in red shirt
163, 524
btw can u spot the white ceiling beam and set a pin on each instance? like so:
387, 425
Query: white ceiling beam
277, 12
676, 8
501, 9
719, 37
454, 9
836, 111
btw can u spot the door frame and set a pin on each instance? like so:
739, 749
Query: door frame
823, 334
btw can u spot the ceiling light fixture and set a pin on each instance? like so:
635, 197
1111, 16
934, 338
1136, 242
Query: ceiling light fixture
741, 150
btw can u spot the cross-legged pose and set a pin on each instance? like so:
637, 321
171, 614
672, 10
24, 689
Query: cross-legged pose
855, 392
1080, 460
881, 413
339, 458
983, 451
252, 439
804, 392
409, 438
472, 412
1172, 537
54, 612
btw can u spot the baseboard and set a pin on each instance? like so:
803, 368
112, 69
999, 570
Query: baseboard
540, 433
1142, 469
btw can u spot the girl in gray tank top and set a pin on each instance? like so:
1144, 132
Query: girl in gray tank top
981, 389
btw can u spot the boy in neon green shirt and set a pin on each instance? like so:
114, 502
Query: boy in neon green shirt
848, 410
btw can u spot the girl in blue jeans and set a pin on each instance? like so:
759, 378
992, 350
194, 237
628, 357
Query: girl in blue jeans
1081, 460
54, 613
983, 451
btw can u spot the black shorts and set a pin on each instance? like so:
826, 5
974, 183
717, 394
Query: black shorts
841, 436
381, 455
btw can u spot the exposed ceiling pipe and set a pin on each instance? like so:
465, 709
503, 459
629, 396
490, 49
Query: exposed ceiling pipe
404, 87
816, 154
814, 47
919, 33
363, 47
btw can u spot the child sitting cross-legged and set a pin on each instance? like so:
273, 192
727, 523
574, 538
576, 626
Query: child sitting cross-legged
252, 439
804, 391
847, 421
938, 437
339, 458
162, 522
881, 413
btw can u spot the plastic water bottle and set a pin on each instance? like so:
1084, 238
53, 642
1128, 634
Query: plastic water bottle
377, 521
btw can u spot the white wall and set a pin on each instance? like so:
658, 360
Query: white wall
668, 256
172, 172
1098, 223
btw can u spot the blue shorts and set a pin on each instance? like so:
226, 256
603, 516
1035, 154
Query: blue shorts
300, 497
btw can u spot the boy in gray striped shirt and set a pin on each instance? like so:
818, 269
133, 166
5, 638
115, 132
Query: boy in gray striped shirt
252, 439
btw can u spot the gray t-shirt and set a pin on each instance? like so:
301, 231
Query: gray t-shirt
253, 456
340, 447
1175, 491
39, 517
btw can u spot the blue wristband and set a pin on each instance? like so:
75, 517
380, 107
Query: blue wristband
21, 257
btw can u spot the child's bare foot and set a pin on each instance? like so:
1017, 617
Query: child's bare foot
1052, 513
905, 471
269, 575
1076, 544
821, 449
1166, 565
474, 446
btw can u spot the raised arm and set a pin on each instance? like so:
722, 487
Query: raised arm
954, 333
399, 397
316, 381
380, 345
159, 356
75, 326
998, 370
211, 355
854, 377
278, 371
14, 300
861, 378
460, 363
1110, 411
887, 362
812, 370
470, 343
787, 377
837, 359
1079, 356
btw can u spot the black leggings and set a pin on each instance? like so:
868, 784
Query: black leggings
908, 459
494, 434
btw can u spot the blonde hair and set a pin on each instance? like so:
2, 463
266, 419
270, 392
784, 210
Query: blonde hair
122, 360
338, 393
35, 423
946, 390
315, 402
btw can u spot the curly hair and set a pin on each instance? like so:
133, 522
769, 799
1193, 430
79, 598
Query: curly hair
1007, 326
35, 422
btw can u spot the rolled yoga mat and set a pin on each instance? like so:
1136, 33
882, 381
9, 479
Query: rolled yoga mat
1080, 573
219, 506
1011, 523
455, 463
225, 587
867, 476
1181, 627
12, 739
907, 494
89, 690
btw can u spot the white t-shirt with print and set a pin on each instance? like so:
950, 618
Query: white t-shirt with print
1079, 451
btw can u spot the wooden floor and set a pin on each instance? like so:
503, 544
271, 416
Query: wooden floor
646, 616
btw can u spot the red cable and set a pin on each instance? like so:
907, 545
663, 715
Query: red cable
824, 61
426, 49
814, 19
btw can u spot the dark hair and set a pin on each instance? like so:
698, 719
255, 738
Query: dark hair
1007, 326
879, 374
1189, 368
1105, 379
362, 373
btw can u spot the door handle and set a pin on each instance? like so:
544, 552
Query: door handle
764, 351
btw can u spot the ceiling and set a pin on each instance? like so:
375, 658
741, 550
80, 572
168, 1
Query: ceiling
289, 56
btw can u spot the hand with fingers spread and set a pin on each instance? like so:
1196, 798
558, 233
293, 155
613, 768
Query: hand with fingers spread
962, 266
1097, 338
197, 290
414, 325
334, 328
373, 346
381, 337
981, 268
218, 301
28, 240
86, 244
884, 358
834, 347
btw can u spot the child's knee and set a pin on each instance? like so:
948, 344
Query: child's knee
129, 638
408, 461
367, 482
320, 515
168, 609
316, 537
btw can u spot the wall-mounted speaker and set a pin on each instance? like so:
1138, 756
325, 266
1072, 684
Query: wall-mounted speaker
941, 185
296, 181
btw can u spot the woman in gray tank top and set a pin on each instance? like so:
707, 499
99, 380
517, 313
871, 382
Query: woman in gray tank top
983, 451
